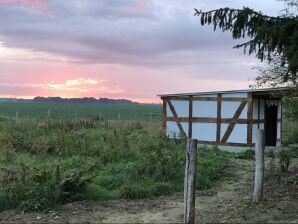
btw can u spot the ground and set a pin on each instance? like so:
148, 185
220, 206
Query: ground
228, 202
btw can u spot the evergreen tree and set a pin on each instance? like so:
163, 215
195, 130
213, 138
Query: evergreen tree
274, 39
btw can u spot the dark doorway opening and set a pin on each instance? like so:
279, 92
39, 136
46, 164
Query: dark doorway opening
270, 125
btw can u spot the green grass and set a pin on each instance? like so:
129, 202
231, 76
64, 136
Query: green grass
44, 163
76, 110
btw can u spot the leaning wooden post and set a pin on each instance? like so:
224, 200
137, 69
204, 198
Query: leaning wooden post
259, 173
189, 181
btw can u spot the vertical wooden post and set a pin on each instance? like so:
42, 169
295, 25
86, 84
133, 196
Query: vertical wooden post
190, 116
164, 115
189, 181
218, 120
259, 172
249, 118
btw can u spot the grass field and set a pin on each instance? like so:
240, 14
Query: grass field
48, 162
75, 110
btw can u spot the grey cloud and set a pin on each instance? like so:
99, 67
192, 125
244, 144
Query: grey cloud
117, 32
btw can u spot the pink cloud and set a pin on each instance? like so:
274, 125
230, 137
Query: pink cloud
141, 4
40, 4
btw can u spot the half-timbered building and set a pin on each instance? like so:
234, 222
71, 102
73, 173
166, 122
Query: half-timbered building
225, 118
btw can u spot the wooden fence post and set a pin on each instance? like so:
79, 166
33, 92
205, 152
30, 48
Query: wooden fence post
189, 181
259, 172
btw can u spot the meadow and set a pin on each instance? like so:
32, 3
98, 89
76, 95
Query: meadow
46, 161
75, 110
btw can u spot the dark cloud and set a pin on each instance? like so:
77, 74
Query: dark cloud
85, 29
131, 32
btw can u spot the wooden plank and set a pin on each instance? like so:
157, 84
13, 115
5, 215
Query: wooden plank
164, 116
182, 132
249, 118
204, 119
210, 120
230, 99
178, 119
219, 121
178, 98
190, 181
206, 98
232, 124
221, 143
190, 117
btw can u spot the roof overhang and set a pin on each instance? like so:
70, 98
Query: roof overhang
266, 92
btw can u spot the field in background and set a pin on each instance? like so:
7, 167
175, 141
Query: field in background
140, 112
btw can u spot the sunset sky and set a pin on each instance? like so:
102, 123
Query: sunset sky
132, 49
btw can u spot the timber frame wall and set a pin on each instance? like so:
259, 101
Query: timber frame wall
230, 122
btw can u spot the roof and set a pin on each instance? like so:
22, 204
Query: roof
265, 90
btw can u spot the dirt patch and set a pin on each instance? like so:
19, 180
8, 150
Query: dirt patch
228, 202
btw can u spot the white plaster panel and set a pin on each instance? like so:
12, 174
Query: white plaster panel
169, 112
173, 130
181, 107
204, 109
238, 135
235, 95
228, 109
204, 131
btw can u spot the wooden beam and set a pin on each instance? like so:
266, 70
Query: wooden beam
164, 116
218, 122
205, 98
230, 99
212, 120
249, 118
232, 124
190, 117
177, 98
221, 143
176, 116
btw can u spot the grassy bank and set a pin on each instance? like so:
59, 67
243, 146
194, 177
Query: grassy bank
47, 163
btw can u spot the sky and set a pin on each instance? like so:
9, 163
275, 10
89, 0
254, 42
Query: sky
133, 49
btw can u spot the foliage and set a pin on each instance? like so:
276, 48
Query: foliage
49, 162
269, 36
284, 161
247, 154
